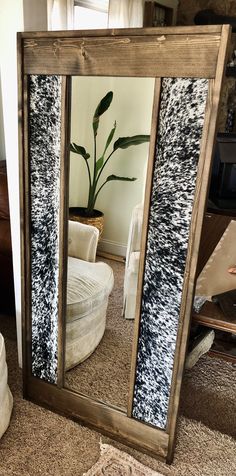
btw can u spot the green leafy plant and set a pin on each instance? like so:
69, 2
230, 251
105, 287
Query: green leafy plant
96, 166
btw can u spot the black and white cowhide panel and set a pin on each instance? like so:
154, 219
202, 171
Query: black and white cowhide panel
44, 157
182, 111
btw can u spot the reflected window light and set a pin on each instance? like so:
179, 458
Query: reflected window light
56, 17
90, 14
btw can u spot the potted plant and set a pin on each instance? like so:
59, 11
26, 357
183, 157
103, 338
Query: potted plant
97, 165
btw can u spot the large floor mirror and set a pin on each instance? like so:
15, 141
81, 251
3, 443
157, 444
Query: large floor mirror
117, 129
102, 287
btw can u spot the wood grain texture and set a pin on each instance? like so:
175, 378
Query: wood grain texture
226, 355
25, 229
175, 55
109, 420
202, 186
224, 347
22, 110
214, 226
63, 230
112, 32
212, 316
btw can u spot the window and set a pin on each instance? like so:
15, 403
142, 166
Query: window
90, 14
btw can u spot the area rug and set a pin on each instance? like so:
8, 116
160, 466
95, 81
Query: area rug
114, 462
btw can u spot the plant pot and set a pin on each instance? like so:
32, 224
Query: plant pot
79, 214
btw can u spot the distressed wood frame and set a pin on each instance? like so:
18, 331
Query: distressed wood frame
197, 52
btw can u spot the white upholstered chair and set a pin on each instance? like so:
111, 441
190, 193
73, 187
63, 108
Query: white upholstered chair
132, 262
89, 284
82, 241
6, 400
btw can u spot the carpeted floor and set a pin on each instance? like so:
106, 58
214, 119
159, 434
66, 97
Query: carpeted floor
118, 463
39, 442
105, 374
209, 394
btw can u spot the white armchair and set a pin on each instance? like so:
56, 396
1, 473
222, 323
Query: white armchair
88, 287
82, 241
132, 262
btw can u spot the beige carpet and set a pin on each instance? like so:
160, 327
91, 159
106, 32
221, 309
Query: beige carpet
39, 442
209, 394
105, 374
118, 463
207, 388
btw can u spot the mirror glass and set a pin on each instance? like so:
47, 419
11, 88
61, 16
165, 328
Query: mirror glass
110, 131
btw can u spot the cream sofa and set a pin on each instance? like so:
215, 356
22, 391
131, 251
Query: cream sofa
132, 262
89, 284
6, 400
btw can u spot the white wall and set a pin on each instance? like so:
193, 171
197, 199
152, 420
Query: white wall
12, 15
132, 109
2, 138
11, 21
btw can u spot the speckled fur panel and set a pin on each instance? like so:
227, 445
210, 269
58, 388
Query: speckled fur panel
181, 120
44, 148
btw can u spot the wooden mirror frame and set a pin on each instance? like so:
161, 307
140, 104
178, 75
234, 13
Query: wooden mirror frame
182, 52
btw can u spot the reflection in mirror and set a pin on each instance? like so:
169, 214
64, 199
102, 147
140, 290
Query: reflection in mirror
104, 234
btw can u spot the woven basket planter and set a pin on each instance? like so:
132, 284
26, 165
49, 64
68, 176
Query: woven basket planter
78, 214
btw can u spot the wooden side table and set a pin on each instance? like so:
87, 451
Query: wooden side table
211, 315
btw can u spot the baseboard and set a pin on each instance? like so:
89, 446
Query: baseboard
112, 247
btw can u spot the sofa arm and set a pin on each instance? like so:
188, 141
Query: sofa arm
82, 241
135, 231
131, 285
